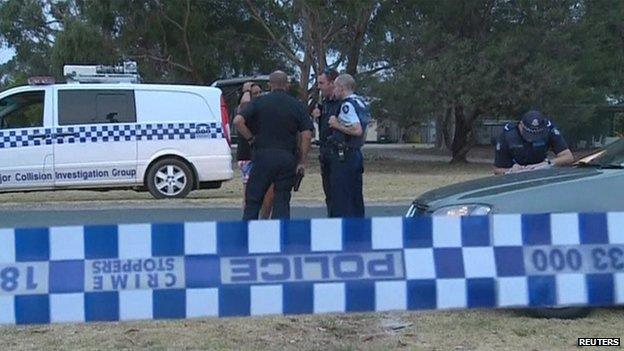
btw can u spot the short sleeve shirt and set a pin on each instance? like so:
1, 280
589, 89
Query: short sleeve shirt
277, 118
512, 149
348, 115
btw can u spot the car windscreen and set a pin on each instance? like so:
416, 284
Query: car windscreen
611, 156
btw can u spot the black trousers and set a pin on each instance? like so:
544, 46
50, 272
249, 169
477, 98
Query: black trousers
324, 160
345, 183
270, 166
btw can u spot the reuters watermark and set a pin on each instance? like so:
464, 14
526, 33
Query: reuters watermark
598, 342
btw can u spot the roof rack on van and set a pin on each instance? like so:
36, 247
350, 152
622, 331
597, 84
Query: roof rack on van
124, 73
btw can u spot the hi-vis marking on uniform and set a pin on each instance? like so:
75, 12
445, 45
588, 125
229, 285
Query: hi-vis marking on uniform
184, 270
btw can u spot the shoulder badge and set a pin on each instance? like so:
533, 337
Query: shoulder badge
345, 108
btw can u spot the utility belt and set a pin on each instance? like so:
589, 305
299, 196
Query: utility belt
294, 152
342, 150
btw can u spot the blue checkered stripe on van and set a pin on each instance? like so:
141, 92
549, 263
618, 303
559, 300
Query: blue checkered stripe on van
109, 133
221, 269
25, 138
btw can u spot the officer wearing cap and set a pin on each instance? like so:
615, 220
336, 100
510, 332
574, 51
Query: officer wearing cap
279, 120
329, 107
524, 146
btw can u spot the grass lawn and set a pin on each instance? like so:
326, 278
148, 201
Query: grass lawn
460, 330
385, 180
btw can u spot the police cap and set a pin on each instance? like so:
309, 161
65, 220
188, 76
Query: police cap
535, 126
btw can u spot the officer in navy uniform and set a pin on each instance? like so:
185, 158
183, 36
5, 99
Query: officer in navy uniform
279, 120
524, 146
329, 107
346, 161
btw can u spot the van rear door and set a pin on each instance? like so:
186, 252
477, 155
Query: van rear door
95, 137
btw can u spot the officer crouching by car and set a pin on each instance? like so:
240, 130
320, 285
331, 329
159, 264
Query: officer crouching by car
524, 146
345, 159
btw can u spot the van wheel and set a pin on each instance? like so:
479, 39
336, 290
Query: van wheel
560, 313
169, 178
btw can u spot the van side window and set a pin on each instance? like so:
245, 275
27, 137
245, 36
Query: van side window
22, 110
188, 107
96, 106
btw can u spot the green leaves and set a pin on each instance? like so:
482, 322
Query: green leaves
176, 41
497, 58
416, 59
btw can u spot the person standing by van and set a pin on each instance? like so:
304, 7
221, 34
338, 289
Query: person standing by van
277, 120
251, 91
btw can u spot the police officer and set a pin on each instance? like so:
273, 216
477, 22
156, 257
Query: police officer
330, 107
278, 120
524, 146
346, 162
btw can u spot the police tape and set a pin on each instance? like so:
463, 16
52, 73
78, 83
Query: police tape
219, 269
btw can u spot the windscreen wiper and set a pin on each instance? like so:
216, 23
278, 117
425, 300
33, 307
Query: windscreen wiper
588, 165
612, 166
601, 166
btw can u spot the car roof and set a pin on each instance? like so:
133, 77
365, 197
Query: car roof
238, 81
241, 80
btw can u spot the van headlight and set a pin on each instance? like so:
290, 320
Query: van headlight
463, 210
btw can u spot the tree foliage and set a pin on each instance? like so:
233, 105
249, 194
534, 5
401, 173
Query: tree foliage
462, 60
455, 61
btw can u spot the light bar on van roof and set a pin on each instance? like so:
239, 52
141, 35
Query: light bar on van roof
42, 80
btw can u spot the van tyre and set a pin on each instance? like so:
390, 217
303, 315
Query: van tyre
170, 178
560, 313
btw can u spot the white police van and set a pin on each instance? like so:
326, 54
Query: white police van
108, 131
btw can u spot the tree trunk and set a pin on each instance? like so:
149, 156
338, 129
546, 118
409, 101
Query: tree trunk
304, 81
443, 129
439, 142
447, 127
359, 33
463, 138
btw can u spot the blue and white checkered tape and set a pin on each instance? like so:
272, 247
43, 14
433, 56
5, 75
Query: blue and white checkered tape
185, 270
108, 133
